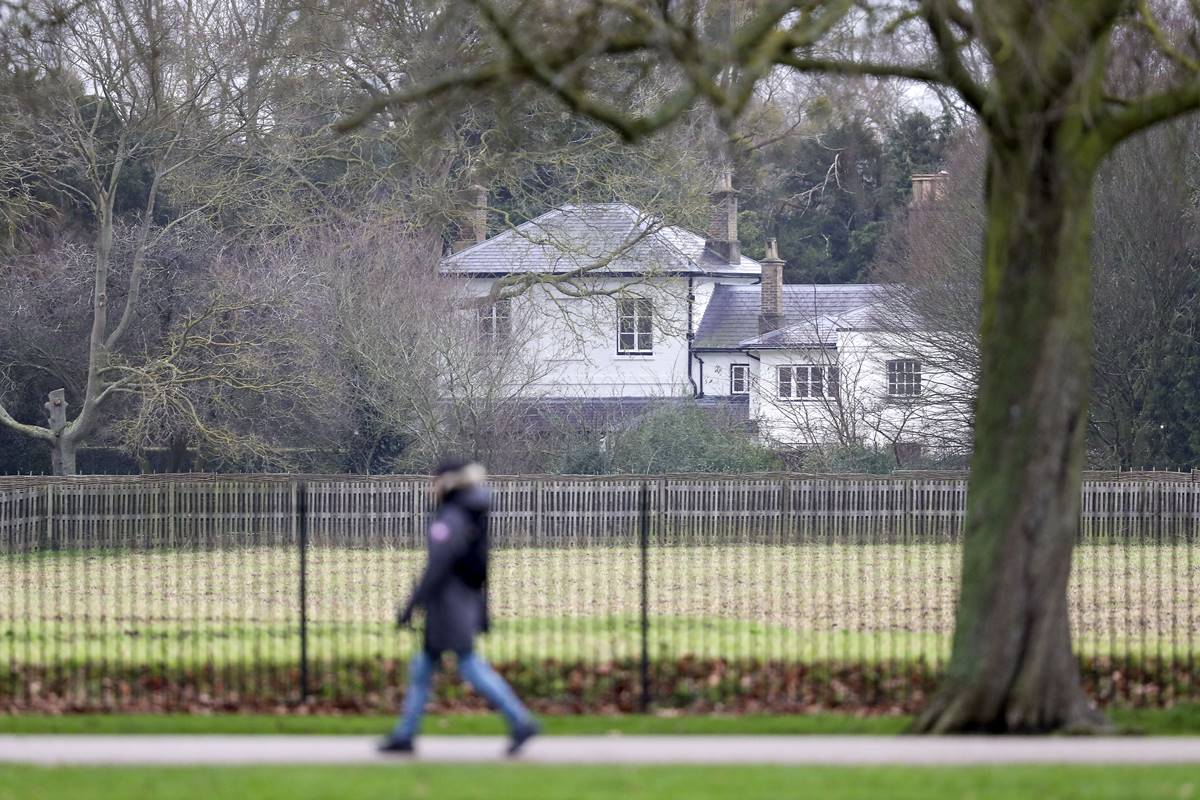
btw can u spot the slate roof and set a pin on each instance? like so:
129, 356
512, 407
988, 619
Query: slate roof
574, 237
812, 315
820, 331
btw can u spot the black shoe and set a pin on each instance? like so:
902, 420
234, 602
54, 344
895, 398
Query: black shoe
522, 734
399, 747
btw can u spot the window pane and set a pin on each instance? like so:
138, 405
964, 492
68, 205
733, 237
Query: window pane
635, 326
739, 377
785, 382
904, 377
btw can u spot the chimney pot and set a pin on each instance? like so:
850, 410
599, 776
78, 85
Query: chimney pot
927, 187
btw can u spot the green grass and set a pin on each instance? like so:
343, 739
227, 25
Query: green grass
454, 724
1181, 720
576, 639
807, 603
528, 782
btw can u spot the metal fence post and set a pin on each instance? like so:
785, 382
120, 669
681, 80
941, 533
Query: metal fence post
302, 539
644, 542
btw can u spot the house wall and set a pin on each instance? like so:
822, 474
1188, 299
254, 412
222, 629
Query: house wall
574, 342
790, 423
861, 412
716, 371
574, 339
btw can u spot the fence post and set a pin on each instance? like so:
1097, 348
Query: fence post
302, 539
48, 536
788, 527
644, 543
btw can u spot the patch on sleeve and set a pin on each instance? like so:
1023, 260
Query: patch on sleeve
439, 531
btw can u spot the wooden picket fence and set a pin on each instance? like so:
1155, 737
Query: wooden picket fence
549, 511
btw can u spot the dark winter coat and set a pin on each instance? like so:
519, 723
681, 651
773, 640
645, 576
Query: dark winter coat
452, 589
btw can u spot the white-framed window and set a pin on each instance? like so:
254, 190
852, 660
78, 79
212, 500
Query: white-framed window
904, 378
739, 379
806, 381
635, 327
495, 322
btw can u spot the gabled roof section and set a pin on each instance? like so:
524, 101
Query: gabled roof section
612, 238
813, 313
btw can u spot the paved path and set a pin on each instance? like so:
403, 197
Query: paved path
266, 749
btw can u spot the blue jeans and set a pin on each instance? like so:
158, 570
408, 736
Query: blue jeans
475, 669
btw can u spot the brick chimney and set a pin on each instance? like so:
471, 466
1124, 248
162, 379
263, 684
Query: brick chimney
928, 186
722, 237
473, 228
770, 317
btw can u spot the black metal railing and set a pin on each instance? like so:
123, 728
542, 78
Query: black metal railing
751, 592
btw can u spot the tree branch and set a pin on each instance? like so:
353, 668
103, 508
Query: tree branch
546, 74
863, 69
1146, 112
467, 79
35, 431
956, 73
1150, 23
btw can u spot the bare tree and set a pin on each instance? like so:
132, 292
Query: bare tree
1144, 265
423, 361
1144, 248
133, 110
930, 262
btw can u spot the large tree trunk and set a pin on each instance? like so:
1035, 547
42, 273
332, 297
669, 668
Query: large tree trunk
1012, 668
63, 456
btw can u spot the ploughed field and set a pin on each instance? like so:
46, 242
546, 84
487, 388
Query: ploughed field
804, 603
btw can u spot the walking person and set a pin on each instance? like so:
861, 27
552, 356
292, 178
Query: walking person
452, 591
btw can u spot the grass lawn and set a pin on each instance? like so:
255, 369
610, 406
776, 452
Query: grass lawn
808, 602
585, 783
1181, 720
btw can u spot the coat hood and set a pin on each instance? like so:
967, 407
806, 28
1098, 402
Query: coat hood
450, 480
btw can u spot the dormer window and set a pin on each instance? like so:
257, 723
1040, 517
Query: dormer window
635, 327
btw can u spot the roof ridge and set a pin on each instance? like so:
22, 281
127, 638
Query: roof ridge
678, 248
506, 233
557, 211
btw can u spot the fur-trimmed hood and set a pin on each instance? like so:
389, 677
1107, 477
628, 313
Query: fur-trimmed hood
469, 475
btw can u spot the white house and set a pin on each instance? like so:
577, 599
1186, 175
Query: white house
619, 309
